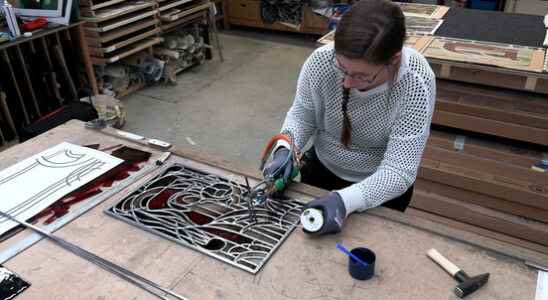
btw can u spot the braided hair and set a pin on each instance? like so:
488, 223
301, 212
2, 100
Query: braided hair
373, 31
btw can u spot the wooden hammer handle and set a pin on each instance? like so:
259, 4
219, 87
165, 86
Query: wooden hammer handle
442, 261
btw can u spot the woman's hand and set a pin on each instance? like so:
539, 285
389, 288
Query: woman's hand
333, 211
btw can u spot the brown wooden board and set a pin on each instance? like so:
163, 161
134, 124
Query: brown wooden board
417, 42
466, 196
532, 231
512, 107
328, 38
116, 11
490, 75
196, 17
119, 22
423, 10
521, 156
166, 5
303, 268
492, 127
478, 230
93, 5
97, 39
178, 13
484, 182
122, 42
499, 169
125, 52
485, 53
421, 26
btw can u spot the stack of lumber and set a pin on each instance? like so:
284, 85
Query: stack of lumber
484, 186
117, 29
177, 13
515, 115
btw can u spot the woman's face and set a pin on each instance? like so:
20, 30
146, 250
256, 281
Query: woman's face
359, 74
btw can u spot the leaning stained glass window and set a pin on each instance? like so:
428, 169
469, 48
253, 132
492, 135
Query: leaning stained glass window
210, 214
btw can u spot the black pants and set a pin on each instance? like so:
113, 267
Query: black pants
313, 172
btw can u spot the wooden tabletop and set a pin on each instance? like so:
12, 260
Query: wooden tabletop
302, 268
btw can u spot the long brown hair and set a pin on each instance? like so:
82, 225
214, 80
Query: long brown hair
374, 31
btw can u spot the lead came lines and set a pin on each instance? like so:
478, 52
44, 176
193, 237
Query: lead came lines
209, 214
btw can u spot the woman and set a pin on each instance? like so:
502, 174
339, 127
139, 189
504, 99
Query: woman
367, 101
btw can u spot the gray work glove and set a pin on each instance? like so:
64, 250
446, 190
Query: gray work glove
278, 159
333, 211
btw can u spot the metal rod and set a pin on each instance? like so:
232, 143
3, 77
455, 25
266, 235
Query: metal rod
19, 96
213, 22
54, 85
29, 81
58, 51
7, 112
121, 272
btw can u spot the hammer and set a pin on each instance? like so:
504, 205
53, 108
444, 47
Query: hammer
467, 284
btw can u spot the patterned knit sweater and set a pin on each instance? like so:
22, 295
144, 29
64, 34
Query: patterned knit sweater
390, 126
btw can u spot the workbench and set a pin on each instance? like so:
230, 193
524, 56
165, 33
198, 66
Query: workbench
302, 268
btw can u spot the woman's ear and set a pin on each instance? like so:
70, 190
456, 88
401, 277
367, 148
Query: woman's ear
395, 60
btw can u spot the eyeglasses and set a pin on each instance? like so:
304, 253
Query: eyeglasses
357, 77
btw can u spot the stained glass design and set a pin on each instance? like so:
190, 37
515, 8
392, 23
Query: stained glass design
210, 214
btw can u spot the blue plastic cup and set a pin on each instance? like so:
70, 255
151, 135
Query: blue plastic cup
358, 270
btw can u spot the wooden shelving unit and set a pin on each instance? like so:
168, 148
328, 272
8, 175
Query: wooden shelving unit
40, 74
119, 29
248, 13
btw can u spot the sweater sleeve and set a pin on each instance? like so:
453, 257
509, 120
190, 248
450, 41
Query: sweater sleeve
407, 140
300, 120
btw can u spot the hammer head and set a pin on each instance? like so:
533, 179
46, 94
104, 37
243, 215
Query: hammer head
470, 285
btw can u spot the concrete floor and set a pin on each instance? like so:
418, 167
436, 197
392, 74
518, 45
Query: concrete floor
230, 109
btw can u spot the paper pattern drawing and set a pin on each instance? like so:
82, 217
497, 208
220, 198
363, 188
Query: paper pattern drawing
485, 53
423, 10
417, 10
35, 183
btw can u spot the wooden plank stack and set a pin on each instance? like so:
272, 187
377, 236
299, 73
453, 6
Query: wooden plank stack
116, 29
177, 13
503, 113
483, 184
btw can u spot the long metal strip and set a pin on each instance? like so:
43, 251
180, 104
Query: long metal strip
123, 273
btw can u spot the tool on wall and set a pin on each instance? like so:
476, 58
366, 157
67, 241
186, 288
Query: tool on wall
117, 270
467, 285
